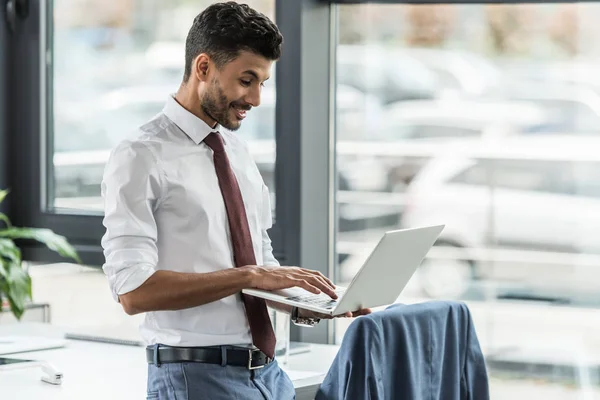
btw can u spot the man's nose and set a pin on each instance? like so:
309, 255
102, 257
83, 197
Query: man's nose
253, 97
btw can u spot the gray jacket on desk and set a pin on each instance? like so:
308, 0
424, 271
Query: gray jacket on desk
410, 352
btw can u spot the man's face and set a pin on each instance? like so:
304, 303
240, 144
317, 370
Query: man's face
234, 89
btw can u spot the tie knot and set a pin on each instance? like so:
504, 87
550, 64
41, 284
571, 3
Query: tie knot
215, 142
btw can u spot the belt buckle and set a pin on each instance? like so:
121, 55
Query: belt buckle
250, 367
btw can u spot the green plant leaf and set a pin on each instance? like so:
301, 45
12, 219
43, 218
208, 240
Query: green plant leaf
3, 289
9, 251
3, 194
17, 289
53, 241
5, 219
3, 273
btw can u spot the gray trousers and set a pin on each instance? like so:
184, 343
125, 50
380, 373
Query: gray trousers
196, 381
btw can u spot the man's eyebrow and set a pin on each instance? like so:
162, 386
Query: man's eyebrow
254, 74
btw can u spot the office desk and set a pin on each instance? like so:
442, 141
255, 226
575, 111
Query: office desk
110, 371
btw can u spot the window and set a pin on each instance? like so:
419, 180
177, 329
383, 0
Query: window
114, 64
515, 225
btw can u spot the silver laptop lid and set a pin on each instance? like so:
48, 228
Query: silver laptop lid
389, 267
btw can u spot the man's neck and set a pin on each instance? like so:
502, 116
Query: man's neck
189, 100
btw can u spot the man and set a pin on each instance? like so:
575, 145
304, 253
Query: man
186, 217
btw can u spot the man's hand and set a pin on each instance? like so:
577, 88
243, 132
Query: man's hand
311, 314
276, 278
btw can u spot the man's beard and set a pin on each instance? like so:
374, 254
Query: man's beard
216, 106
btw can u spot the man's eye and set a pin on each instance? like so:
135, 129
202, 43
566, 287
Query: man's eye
246, 83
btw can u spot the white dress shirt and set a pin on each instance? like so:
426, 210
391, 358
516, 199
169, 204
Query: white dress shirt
164, 211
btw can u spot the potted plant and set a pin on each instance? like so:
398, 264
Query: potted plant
15, 282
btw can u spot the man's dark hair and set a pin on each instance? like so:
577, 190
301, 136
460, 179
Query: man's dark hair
222, 30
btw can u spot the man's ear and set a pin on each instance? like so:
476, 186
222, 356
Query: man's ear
201, 64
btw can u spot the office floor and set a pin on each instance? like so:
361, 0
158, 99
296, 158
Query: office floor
81, 301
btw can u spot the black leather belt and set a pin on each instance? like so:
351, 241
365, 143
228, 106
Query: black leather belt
249, 358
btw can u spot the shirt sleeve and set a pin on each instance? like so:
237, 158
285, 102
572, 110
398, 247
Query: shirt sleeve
131, 190
267, 223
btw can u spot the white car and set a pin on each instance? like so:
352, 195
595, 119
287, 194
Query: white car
387, 74
456, 118
468, 74
408, 133
575, 107
523, 213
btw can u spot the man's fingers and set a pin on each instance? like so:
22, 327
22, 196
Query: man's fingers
319, 274
345, 315
313, 278
323, 316
321, 284
306, 285
317, 282
364, 311
327, 288
302, 272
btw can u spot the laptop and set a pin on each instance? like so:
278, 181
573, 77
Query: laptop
379, 281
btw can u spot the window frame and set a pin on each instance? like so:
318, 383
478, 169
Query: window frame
5, 70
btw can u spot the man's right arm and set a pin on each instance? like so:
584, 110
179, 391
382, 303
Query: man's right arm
169, 290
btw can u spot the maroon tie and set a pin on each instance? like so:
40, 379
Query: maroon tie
263, 336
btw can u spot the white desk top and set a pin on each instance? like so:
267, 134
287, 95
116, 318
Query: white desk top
109, 371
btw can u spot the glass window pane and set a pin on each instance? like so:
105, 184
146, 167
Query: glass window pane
484, 118
115, 63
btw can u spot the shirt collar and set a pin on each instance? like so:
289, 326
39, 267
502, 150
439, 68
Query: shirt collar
190, 124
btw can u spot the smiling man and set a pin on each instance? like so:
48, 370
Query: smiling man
186, 217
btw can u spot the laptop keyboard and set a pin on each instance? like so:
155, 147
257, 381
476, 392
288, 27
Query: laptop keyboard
319, 300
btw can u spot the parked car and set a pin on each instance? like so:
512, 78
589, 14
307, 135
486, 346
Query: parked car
390, 76
409, 133
465, 73
524, 211
575, 107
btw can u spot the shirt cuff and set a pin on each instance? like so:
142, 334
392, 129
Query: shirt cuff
130, 279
